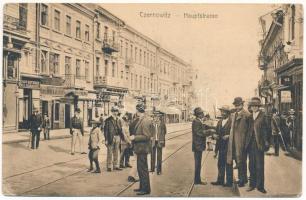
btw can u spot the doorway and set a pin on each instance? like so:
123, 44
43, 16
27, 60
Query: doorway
67, 116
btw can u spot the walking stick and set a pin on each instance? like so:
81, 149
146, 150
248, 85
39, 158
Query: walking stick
283, 141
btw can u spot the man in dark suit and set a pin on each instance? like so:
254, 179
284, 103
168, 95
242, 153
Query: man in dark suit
113, 135
257, 143
237, 139
222, 134
142, 146
158, 142
35, 128
199, 134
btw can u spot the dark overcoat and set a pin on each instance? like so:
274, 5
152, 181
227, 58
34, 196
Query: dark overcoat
161, 134
198, 135
222, 131
143, 134
238, 136
260, 128
112, 128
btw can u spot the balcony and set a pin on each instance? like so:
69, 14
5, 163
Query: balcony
110, 46
100, 81
73, 81
14, 24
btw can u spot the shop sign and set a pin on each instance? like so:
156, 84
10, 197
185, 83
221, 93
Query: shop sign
286, 96
51, 90
29, 84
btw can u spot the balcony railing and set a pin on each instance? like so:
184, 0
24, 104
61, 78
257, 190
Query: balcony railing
72, 81
12, 23
110, 46
100, 80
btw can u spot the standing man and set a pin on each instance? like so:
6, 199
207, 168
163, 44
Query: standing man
240, 120
199, 134
158, 142
223, 131
77, 131
46, 127
257, 143
113, 135
142, 147
35, 128
276, 132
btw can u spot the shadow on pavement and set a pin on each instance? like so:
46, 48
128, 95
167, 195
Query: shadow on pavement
58, 149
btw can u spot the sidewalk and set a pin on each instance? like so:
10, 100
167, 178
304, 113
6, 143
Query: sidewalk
283, 177
8, 138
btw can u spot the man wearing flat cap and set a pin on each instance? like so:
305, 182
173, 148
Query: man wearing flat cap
256, 145
113, 135
222, 132
199, 134
240, 123
77, 131
142, 146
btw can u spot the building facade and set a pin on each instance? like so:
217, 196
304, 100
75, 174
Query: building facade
281, 60
57, 57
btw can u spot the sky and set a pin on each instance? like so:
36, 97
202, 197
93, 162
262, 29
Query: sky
224, 49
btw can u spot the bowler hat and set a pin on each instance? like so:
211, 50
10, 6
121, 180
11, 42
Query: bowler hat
77, 110
291, 111
140, 107
114, 109
225, 108
198, 110
238, 101
255, 101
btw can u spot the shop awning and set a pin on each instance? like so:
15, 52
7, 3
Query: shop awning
169, 110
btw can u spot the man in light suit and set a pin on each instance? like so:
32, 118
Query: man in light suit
256, 145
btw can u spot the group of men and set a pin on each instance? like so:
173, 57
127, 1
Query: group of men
142, 136
239, 134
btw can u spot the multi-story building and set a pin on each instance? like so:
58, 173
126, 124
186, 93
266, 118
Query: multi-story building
57, 57
281, 59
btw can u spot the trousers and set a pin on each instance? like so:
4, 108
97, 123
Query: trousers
93, 157
223, 167
197, 166
76, 134
35, 139
157, 153
113, 153
256, 165
143, 172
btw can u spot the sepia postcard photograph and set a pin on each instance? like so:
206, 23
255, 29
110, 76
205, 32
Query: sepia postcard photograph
152, 99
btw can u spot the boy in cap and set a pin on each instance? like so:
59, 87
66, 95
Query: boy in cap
93, 146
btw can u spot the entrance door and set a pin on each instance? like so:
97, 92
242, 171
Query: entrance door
67, 116
44, 107
89, 113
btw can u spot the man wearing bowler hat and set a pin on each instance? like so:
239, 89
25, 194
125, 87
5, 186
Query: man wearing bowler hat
142, 146
256, 145
35, 128
113, 135
222, 135
240, 120
199, 134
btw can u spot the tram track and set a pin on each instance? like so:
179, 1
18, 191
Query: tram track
6, 179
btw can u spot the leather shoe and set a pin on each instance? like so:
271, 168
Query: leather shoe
137, 190
250, 189
217, 183
228, 185
158, 173
109, 169
118, 169
90, 169
201, 183
97, 172
262, 190
128, 165
143, 193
